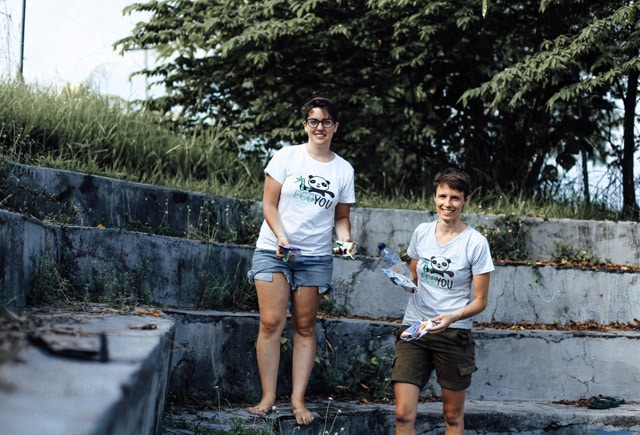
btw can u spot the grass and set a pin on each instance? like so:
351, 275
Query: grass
106, 136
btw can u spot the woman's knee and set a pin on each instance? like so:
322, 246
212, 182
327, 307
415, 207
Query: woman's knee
304, 329
453, 417
405, 415
272, 325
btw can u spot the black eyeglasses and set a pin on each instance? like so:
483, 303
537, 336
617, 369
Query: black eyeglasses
313, 122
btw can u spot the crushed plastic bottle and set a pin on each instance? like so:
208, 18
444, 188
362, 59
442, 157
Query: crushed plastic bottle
393, 260
398, 272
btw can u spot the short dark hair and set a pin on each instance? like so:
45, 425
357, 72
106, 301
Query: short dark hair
455, 178
322, 103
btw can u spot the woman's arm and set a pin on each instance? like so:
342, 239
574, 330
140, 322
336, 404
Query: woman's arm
477, 305
342, 222
270, 199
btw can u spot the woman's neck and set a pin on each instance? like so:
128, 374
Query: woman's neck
448, 230
321, 154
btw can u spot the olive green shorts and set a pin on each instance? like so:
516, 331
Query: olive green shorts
451, 353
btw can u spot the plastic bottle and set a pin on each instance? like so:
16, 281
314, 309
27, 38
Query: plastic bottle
393, 260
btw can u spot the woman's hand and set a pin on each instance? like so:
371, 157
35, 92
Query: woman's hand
282, 242
442, 321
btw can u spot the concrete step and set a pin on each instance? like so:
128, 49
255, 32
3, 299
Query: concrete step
481, 417
210, 356
45, 393
177, 272
88, 200
214, 355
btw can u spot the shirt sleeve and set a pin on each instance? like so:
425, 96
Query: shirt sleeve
277, 167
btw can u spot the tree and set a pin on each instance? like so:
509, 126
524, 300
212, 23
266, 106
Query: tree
397, 68
595, 60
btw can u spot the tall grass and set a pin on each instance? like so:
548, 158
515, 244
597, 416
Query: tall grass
89, 133
101, 135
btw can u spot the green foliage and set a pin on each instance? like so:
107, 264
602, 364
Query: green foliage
329, 307
105, 136
575, 75
367, 375
564, 253
397, 69
50, 285
58, 284
195, 162
120, 286
508, 238
229, 291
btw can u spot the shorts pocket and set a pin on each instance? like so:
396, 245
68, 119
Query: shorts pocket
467, 370
393, 362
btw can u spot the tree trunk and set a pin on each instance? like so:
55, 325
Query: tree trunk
629, 204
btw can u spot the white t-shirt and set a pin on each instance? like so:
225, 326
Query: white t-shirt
310, 192
445, 272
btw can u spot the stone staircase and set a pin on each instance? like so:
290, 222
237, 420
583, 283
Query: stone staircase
522, 375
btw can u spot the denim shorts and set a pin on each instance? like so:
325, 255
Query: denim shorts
302, 271
451, 353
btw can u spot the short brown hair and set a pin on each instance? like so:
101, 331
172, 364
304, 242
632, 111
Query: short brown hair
455, 178
322, 103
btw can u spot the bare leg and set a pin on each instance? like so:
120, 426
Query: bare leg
407, 396
273, 298
304, 311
453, 410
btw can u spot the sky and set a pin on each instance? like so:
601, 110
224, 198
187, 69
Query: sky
71, 42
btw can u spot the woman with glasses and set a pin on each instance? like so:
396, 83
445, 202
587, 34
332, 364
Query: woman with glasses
308, 193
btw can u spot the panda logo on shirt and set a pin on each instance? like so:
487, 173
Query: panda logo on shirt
440, 265
319, 185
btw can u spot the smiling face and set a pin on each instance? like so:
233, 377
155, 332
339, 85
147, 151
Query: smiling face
449, 203
320, 135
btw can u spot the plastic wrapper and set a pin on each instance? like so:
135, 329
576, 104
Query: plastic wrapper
346, 249
417, 330
290, 252
398, 279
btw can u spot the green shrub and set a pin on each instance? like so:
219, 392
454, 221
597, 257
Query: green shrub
508, 238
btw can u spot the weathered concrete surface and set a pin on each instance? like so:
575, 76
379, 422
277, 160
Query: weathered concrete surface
518, 293
178, 272
618, 242
24, 244
214, 356
481, 417
169, 270
89, 200
48, 394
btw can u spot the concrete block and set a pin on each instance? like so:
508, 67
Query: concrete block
125, 395
526, 365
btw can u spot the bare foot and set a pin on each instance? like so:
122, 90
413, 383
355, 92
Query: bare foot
303, 415
262, 410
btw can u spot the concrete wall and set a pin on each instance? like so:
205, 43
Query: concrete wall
618, 242
179, 272
25, 243
215, 355
87, 200
213, 352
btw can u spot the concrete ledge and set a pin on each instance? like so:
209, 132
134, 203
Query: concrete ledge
89, 200
176, 272
517, 293
47, 394
481, 417
214, 355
